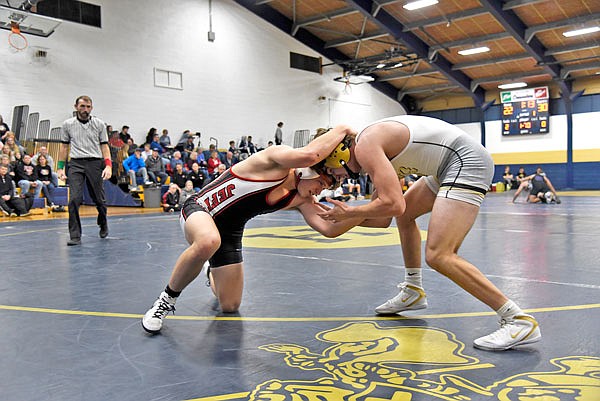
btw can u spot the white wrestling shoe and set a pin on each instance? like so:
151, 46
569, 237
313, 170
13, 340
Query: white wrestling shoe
410, 297
153, 319
520, 330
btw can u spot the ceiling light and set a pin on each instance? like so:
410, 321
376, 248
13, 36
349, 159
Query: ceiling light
380, 65
582, 31
397, 65
413, 5
475, 50
512, 85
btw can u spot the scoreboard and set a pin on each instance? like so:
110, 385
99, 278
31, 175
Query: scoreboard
525, 111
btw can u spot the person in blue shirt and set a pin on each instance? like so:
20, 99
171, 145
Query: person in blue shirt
135, 166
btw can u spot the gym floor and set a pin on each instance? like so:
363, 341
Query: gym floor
70, 316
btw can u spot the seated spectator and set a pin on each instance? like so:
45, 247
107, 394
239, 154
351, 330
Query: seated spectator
213, 163
230, 159
187, 191
520, 175
175, 160
353, 188
179, 176
11, 204
235, 151
150, 136
170, 200
196, 177
131, 146
335, 194
251, 146
27, 177
155, 144
124, 135
509, 180
188, 147
147, 152
156, 168
4, 129
165, 140
44, 174
44, 151
5, 161
191, 160
11, 147
135, 167
220, 170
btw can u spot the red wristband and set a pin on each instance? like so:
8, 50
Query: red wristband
108, 162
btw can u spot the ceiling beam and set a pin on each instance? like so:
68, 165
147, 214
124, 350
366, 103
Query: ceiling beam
566, 71
391, 25
425, 89
280, 21
571, 48
534, 30
403, 74
513, 24
322, 18
354, 39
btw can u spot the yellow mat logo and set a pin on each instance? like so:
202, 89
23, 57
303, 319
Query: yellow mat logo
304, 237
368, 362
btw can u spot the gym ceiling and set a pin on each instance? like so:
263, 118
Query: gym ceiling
413, 55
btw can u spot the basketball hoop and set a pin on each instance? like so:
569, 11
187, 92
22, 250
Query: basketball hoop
16, 39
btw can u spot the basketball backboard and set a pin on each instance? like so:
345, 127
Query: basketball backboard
28, 23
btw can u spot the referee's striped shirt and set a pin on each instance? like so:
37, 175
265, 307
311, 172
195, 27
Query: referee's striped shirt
85, 139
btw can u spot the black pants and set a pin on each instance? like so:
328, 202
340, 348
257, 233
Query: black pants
90, 172
14, 205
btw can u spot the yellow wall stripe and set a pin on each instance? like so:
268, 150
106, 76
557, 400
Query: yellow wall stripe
553, 156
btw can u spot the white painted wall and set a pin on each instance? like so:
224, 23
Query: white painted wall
555, 139
586, 131
241, 84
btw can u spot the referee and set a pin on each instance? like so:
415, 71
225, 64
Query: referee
90, 160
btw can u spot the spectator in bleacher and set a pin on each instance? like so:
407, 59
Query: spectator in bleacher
147, 152
131, 146
27, 177
235, 151
150, 135
115, 140
243, 148
156, 168
196, 177
188, 148
4, 129
109, 130
251, 146
220, 170
191, 160
124, 135
279, 134
509, 179
44, 152
175, 160
44, 174
179, 176
213, 163
187, 191
5, 161
230, 159
11, 204
170, 200
11, 147
183, 140
165, 140
135, 167
84, 137
156, 144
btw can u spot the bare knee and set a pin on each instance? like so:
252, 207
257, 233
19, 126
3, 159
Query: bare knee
205, 248
230, 306
438, 259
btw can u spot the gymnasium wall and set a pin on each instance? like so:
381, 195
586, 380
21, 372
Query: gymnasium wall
546, 150
240, 84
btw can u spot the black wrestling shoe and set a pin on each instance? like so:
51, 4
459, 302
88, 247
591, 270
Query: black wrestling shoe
104, 231
74, 241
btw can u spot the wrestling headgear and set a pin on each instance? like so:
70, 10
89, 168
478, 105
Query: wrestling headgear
340, 158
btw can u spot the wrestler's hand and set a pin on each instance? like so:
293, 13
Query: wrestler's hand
107, 173
339, 211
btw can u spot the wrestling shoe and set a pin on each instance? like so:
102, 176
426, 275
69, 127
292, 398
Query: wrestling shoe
410, 297
153, 319
518, 330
